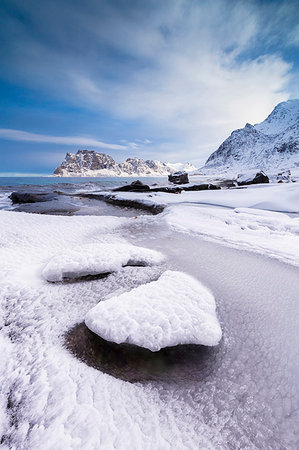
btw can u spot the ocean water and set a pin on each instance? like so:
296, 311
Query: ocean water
67, 185
100, 181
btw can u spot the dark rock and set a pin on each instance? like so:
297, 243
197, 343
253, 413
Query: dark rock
136, 186
169, 190
201, 187
213, 187
178, 190
125, 203
178, 178
28, 197
136, 364
259, 178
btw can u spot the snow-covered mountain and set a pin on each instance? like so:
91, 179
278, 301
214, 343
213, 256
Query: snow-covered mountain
88, 163
180, 167
272, 145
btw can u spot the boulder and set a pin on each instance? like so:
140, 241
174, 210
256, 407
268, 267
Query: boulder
252, 178
136, 186
29, 197
168, 190
178, 178
201, 187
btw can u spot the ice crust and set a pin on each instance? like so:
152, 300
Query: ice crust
261, 218
176, 309
266, 232
95, 259
244, 394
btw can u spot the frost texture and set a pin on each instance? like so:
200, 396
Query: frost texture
176, 309
243, 394
95, 259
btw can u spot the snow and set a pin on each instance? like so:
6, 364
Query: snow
176, 309
273, 197
95, 259
260, 218
273, 234
272, 145
284, 115
5, 202
180, 167
242, 393
248, 176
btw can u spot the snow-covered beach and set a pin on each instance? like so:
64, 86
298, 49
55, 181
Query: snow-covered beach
242, 393
149, 225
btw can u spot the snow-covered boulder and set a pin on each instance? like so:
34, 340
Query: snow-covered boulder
252, 177
176, 309
96, 259
284, 177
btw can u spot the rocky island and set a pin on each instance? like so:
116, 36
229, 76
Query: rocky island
89, 163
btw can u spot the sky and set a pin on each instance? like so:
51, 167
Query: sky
157, 79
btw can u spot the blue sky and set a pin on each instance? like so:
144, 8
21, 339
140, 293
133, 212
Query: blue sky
165, 80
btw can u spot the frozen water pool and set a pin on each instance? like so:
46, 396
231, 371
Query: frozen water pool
249, 387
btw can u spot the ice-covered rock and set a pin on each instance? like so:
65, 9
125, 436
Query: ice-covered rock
96, 259
176, 309
252, 177
284, 176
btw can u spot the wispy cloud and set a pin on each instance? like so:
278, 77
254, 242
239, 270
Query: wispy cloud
188, 71
81, 141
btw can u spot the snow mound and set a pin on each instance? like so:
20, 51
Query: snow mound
96, 259
176, 309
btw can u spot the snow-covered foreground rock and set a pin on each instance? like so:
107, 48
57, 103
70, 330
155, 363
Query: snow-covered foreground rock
242, 393
176, 309
95, 259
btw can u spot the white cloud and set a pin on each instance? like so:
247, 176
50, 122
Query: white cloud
189, 72
199, 82
18, 135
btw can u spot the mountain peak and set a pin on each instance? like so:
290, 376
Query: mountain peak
284, 115
273, 143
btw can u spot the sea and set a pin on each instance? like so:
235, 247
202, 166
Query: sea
67, 185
